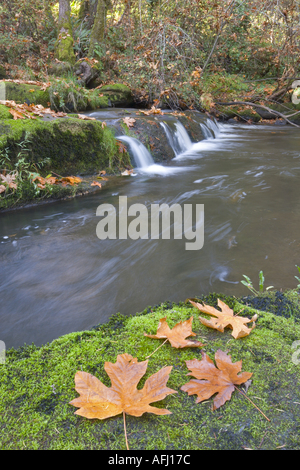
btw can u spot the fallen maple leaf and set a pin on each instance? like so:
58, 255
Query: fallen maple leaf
16, 114
225, 317
129, 121
122, 147
127, 173
95, 183
86, 118
211, 379
153, 110
70, 180
2, 188
98, 401
177, 334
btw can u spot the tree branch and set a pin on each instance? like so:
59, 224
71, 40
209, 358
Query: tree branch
247, 103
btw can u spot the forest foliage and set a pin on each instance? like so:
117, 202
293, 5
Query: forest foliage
180, 53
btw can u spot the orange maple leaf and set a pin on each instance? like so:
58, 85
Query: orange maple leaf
225, 317
16, 114
98, 401
95, 183
211, 379
177, 334
70, 180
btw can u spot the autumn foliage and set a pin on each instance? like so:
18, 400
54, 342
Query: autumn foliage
210, 380
96, 401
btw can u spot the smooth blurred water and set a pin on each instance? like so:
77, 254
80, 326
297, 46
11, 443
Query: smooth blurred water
57, 277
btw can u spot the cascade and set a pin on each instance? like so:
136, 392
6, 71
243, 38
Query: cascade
141, 155
207, 133
178, 137
213, 125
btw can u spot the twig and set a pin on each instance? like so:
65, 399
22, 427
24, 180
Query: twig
251, 402
269, 78
157, 348
124, 419
247, 103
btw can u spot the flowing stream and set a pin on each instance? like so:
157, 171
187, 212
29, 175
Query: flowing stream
57, 277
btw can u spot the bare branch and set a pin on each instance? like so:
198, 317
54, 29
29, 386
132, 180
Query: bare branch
247, 103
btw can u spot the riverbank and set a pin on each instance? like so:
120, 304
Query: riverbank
61, 144
37, 384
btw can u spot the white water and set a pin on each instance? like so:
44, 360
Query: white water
143, 158
141, 155
178, 139
207, 133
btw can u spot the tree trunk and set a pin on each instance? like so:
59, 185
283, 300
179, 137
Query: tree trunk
64, 45
88, 11
97, 35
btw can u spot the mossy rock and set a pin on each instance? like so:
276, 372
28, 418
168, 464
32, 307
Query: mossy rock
59, 69
4, 113
117, 94
72, 145
22, 93
37, 385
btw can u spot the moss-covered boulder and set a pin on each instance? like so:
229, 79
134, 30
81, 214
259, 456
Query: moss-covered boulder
37, 385
117, 94
72, 145
69, 97
23, 93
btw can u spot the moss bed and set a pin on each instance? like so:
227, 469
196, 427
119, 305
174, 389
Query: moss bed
37, 384
73, 147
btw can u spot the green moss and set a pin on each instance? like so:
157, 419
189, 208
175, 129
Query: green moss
22, 93
73, 146
64, 46
118, 94
95, 100
4, 113
37, 384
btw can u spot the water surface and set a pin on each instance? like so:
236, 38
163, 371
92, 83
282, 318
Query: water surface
57, 276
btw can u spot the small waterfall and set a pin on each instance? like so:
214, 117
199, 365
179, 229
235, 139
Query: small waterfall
178, 137
141, 155
213, 125
207, 133
210, 129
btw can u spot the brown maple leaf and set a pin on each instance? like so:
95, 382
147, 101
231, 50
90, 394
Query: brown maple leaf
211, 379
177, 334
86, 118
225, 317
129, 122
16, 114
98, 401
153, 110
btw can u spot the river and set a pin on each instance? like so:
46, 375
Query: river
57, 277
